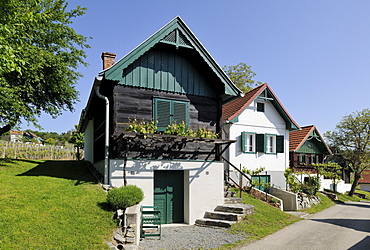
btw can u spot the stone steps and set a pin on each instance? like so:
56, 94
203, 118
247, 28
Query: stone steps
232, 211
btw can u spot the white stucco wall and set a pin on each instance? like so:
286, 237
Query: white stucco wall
89, 142
203, 182
268, 122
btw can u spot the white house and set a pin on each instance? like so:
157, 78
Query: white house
260, 125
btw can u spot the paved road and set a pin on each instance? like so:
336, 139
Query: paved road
343, 226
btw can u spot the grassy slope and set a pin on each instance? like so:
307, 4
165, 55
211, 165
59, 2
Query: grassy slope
265, 220
51, 205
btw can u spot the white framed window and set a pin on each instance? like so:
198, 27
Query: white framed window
260, 107
270, 144
248, 142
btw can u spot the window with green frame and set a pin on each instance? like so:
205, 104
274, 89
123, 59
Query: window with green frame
168, 111
248, 142
314, 159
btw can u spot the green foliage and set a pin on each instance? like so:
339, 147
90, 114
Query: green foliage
39, 55
291, 181
242, 76
124, 197
66, 210
265, 220
351, 141
181, 129
311, 185
255, 182
141, 127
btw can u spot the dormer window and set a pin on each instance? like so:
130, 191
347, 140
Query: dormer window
260, 107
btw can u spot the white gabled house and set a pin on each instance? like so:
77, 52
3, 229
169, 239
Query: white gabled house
260, 125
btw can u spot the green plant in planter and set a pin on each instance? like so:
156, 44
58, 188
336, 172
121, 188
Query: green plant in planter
141, 127
124, 197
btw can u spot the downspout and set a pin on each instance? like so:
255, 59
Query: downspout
106, 148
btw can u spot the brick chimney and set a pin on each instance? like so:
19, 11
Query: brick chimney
108, 59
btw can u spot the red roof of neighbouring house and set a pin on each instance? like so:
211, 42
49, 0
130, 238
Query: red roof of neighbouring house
298, 137
365, 177
233, 109
15, 132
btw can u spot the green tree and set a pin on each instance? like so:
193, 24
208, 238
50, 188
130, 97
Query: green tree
242, 75
77, 139
351, 140
39, 55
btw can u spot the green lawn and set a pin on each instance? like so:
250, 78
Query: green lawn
265, 220
52, 205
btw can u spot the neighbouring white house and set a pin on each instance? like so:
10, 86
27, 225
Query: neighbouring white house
365, 181
169, 78
260, 125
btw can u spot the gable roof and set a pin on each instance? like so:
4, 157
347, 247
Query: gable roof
177, 33
297, 138
232, 110
365, 177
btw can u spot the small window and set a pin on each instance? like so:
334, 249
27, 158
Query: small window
302, 159
260, 107
248, 142
314, 159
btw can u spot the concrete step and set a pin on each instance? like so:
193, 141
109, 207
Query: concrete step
229, 194
235, 208
223, 216
214, 223
232, 200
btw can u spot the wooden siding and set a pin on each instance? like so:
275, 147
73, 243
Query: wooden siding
166, 71
130, 102
311, 147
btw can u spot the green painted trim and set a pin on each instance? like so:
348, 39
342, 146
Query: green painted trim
114, 73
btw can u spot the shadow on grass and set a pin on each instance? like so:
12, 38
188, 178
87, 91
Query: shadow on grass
71, 170
105, 206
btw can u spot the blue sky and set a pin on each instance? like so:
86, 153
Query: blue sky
315, 55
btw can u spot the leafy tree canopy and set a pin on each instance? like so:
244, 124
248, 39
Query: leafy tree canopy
351, 141
242, 76
39, 55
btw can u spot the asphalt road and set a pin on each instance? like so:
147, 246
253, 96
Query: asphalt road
343, 226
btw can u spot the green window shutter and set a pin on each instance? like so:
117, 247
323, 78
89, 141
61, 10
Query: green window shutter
162, 113
260, 143
166, 112
279, 144
243, 141
180, 112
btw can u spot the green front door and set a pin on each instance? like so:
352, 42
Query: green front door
262, 179
169, 195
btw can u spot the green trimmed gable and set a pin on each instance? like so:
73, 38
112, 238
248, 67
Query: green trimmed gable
313, 145
173, 60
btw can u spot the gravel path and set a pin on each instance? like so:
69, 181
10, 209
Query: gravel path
190, 237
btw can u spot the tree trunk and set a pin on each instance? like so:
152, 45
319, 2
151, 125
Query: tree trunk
5, 129
354, 184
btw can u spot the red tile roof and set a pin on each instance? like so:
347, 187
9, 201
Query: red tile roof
365, 177
298, 137
234, 108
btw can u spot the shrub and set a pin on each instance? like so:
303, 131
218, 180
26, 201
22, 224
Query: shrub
124, 197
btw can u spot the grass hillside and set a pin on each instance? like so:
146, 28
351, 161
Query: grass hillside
52, 205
